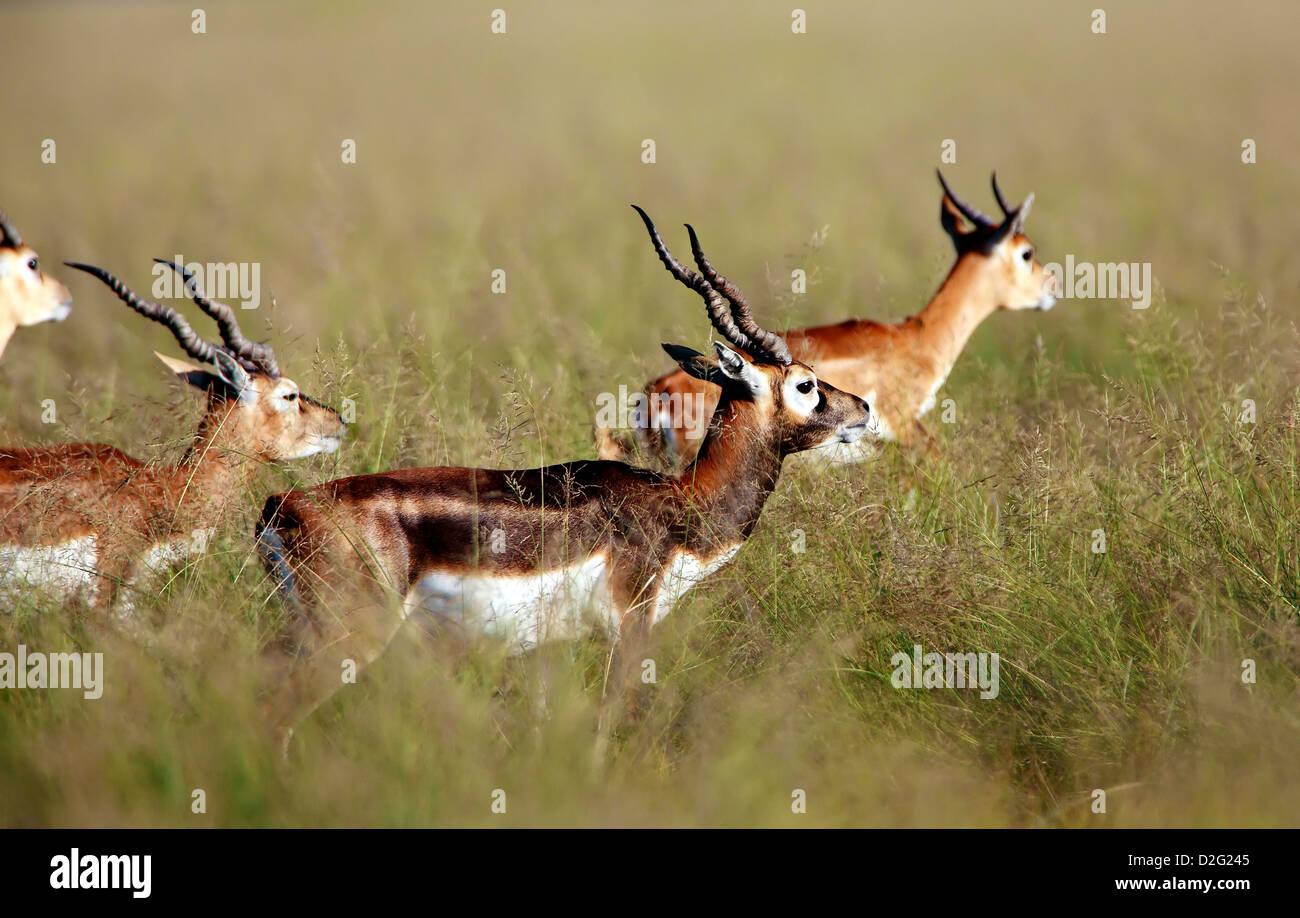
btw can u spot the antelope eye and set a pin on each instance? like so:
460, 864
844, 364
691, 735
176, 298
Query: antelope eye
805, 387
1027, 254
34, 264
291, 396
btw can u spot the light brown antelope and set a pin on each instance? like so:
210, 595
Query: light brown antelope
87, 520
27, 294
899, 368
544, 554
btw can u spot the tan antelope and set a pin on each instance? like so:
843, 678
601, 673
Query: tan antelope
544, 554
898, 369
27, 295
87, 520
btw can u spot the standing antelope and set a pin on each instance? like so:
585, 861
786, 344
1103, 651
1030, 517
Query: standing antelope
27, 295
86, 519
899, 368
542, 554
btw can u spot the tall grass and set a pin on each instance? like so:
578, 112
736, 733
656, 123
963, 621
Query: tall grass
1120, 670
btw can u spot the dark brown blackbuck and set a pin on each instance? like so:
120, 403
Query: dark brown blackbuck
545, 554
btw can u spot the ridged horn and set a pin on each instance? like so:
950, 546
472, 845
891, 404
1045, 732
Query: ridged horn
259, 355
724, 311
186, 336
773, 344
977, 217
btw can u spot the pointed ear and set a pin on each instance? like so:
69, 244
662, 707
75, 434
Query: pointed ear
235, 376
693, 362
203, 379
1023, 211
187, 372
739, 370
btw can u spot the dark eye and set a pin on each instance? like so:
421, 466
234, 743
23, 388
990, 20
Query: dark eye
291, 397
805, 387
1028, 255
34, 264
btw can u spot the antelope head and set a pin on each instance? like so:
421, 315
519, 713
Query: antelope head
27, 294
794, 410
252, 409
1000, 251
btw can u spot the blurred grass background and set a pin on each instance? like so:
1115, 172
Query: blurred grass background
522, 151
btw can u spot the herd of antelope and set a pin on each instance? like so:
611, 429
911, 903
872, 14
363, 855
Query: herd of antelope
524, 556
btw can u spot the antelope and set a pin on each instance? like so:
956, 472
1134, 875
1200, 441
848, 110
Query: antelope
85, 520
898, 369
27, 295
544, 554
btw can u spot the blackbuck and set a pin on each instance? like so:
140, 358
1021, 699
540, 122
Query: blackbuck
86, 520
899, 368
27, 294
545, 554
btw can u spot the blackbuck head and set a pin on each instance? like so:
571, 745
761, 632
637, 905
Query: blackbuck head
27, 294
795, 410
257, 412
1004, 258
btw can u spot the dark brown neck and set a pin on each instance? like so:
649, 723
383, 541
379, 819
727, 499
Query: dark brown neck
736, 468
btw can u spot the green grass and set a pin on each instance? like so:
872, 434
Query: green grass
1119, 671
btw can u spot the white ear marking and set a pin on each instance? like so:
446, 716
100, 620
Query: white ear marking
235, 376
731, 362
1024, 211
733, 366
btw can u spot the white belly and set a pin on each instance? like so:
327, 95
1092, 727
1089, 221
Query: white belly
556, 605
683, 572
68, 570
933, 394
883, 430
60, 571
525, 610
161, 558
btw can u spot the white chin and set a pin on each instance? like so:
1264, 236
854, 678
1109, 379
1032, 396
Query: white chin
838, 452
319, 445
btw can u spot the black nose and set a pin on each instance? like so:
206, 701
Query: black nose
865, 406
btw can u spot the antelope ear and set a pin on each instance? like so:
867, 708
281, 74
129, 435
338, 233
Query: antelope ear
187, 372
739, 370
693, 362
227, 382
235, 376
1023, 211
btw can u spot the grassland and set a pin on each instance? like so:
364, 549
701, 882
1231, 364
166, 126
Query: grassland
1120, 670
